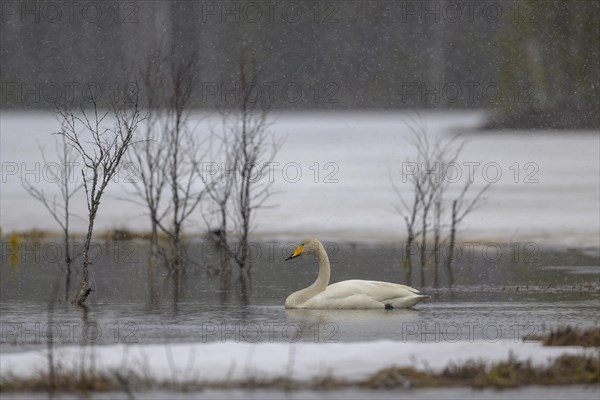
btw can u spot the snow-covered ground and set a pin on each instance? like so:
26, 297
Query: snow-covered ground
223, 362
332, 178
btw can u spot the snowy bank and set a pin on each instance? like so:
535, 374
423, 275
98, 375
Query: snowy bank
225, 362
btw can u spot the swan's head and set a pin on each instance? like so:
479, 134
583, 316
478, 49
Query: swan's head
310, 245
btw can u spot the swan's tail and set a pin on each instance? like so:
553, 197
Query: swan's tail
407, 302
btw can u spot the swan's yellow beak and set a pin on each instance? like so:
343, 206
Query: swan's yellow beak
297, 253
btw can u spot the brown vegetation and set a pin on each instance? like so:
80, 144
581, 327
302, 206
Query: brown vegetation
564, 370
569, 336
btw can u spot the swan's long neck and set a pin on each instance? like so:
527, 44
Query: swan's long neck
299, 297
324, 270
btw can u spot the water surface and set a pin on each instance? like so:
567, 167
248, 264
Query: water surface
506, 299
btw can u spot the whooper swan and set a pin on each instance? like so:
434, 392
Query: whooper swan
356, 294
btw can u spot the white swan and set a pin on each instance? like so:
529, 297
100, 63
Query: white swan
354, 293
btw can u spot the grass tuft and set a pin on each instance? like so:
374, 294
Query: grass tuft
510, 373
569, 336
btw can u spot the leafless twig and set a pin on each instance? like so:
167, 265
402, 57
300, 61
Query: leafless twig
101, 150
66, 181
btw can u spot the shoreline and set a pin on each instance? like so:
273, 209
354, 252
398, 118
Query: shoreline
344, 238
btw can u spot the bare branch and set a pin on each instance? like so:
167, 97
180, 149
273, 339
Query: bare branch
101, 157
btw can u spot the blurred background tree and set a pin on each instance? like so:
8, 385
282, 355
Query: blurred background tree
531, 63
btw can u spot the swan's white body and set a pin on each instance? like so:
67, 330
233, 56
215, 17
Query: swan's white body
356, 294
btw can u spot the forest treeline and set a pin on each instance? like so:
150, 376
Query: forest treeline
534, 62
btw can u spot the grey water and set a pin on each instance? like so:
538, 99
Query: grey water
500, 297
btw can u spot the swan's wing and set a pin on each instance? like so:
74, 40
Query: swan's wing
379, 291
361, 294
325, 300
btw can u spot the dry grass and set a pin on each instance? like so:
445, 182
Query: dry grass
564, 370
32, 235
569, 336
66, 381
